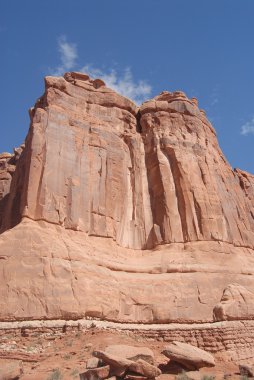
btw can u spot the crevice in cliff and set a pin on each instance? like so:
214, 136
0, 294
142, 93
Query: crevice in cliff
138, 123
128, 142
156, 191
3, 203
198, 212
169, 152
11, 212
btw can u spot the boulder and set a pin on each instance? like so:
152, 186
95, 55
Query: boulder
10, 369
96, 373
189, 356
144, 368
131, 352
92, 363
118, 365
246, 370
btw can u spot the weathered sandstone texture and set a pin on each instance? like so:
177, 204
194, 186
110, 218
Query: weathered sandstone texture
123, 213
7, 168
190, 356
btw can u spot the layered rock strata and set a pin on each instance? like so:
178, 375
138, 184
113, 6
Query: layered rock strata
124, 213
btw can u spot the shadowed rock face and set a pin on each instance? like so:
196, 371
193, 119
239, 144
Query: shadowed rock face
152, 179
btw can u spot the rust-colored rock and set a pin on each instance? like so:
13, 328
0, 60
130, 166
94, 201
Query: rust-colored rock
11, 369
236, 303
189, 356
142, 367
131, 352
92, 363
8, 164
122, 213
99, 373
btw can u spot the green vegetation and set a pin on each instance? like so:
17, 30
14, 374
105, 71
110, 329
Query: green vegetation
55, 375
75, 372
69, 343
182, 376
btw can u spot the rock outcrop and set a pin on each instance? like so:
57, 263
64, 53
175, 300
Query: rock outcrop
189, 356
123, 213
120, 365
7, 168
236, 303
131, 352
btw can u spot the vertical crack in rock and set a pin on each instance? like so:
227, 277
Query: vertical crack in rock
156, 188
179, 192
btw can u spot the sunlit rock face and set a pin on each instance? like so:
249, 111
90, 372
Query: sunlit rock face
96, 163
121, 212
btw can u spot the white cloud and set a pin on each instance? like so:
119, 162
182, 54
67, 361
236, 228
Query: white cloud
248, 128
215, 95
68, 56
214, 101
123, 83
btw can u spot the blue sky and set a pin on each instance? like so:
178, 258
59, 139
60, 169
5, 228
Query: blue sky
142, 47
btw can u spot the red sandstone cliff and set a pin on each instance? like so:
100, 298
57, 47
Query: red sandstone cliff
123, 213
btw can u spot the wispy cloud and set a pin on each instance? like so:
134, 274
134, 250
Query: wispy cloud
215, 95
248, 128
68, 56
122, 82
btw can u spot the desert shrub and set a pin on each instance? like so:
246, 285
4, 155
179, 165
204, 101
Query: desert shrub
75, 373
55, 375
182, 376
208, 377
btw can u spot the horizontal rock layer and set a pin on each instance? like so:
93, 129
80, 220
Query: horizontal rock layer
124, 213
227, 340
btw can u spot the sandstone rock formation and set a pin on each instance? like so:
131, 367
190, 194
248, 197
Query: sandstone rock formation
131, 352
189, 356
11, 370
99, 373
120, 366
236, 303
120, 212
7, 168
246, 370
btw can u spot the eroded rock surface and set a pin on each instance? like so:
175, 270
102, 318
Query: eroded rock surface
8, 164
236, 303
89, 169
131, 352
189, 356
122, 213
